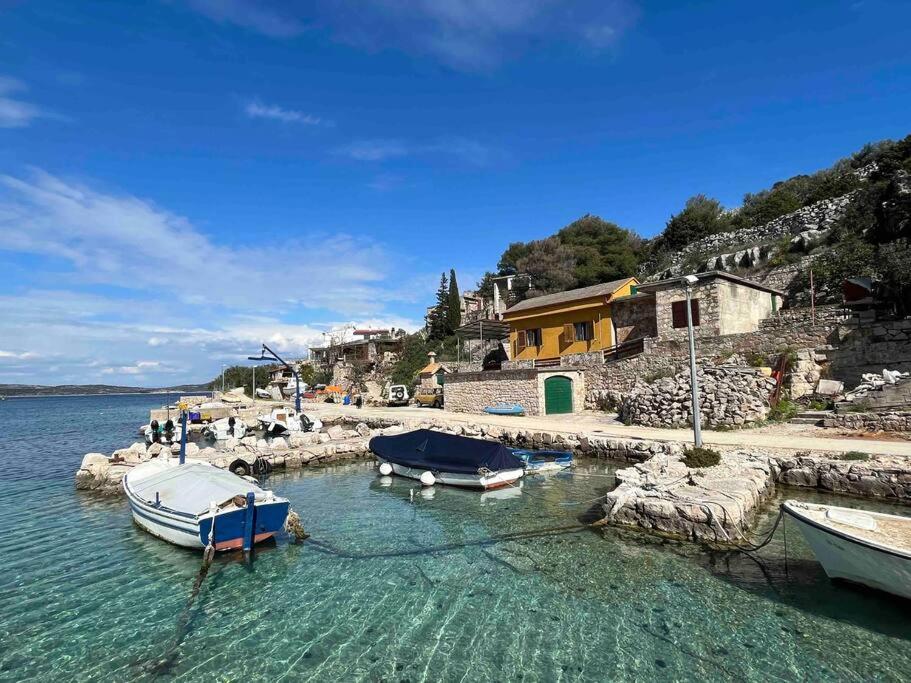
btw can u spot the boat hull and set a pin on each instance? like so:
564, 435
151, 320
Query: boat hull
192, 531
472, 481
855, 560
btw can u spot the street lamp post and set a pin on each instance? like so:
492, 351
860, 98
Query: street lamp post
688, 282
274, 356
223, 366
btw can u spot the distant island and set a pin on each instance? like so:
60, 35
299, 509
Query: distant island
93, 389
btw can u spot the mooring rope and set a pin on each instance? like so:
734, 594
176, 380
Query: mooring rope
431, 550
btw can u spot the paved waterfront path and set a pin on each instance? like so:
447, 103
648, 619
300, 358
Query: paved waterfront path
792, 437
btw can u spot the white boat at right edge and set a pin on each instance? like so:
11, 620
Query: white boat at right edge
869, 548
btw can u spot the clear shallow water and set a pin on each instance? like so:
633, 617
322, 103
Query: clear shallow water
85, 595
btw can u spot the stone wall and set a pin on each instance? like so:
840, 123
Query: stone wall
633, 319
872, 347
470, 392
744, 248
742, 308
705, 292
893, 421
729, 397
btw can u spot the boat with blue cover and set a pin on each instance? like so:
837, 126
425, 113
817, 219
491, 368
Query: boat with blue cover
434, 457
544, 461
503, 408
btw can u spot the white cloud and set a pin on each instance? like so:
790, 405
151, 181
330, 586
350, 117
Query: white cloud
464, 34
129, 242
375, 150
250, 14
22, 355
257, 110
182, 302
15, 113
462, 149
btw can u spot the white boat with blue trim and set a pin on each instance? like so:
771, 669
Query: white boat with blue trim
869, 548
194, 504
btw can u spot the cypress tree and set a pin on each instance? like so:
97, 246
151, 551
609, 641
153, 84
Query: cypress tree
455, 303
440, 316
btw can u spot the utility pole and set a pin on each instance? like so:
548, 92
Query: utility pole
223, 366
688, 282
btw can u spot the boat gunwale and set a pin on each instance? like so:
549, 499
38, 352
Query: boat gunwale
786, 507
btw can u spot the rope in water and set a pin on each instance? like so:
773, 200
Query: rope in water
490, 540
183, 621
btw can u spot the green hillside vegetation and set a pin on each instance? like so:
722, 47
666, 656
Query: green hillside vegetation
872, 239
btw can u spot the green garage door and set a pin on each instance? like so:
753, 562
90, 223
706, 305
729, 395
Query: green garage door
558, 395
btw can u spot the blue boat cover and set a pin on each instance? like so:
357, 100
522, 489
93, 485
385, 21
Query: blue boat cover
434, 451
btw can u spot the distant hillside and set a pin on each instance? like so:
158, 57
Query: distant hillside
81, 389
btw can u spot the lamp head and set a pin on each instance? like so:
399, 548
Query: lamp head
689, 280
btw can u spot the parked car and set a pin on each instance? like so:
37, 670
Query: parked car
398, 395
429, 397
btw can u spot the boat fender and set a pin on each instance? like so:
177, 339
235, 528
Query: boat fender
386, 469
427, 479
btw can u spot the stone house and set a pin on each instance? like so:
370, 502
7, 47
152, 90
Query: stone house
549, 327
433, 374
722, 304
375, 346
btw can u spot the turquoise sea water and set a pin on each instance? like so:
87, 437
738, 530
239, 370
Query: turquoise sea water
448, 587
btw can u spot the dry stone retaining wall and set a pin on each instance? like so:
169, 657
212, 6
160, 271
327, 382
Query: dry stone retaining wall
895, 421
729, 397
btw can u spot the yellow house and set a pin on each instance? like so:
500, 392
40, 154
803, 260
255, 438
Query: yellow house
576, 321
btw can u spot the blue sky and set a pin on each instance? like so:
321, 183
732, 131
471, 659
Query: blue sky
182, 179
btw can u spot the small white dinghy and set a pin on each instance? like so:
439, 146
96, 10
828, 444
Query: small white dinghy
870, 548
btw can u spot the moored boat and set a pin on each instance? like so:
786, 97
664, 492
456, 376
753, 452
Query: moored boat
869, 548
544, 461
285, 421
434, 457
502, 408
225, 428
192, 503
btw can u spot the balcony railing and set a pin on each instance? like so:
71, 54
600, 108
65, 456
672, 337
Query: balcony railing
625, 350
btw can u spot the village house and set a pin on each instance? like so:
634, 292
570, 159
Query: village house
566, 348
721, 304
555, 325
374, 346
433, 374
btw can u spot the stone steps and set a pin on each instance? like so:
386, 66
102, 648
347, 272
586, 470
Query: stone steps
811, 417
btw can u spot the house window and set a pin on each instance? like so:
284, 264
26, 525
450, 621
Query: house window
584, 331
573, 332
526, 338
678, 313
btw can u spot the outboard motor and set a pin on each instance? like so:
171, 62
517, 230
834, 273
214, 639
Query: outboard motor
169, 430
231, 423
156, 431
306, 423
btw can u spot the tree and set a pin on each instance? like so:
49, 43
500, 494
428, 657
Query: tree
438, 322
602, 251
550, 264
454, 303
242, 376
700, 217
508, 263
413, 358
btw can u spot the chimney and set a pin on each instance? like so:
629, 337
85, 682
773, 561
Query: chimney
432, 356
